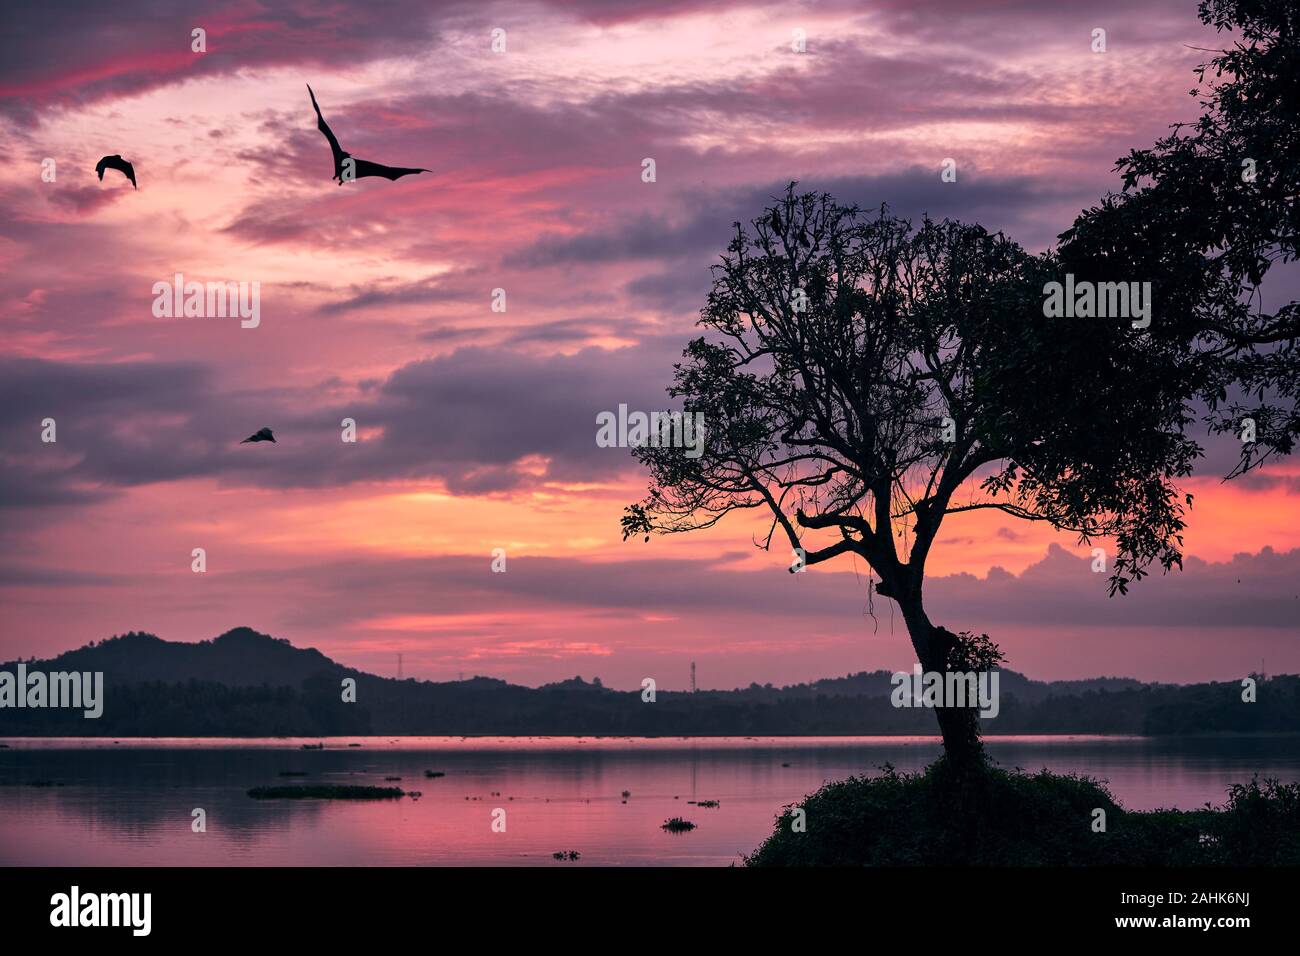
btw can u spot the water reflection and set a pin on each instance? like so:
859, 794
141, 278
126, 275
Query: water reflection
97, 802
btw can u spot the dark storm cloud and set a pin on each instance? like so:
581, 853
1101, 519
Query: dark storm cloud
466, 419
63, 54
83, 200
1006, 203
461, 286
1251, 590
37, 388
848, 86
470, 416
102, 416
704, 231
676, 290
24, 486
74, 53
1060, 590
1058, 594
559, 333
125, 423
644, 237
267, 224
852, 81
1012, 23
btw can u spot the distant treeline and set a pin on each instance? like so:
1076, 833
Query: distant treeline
268, 688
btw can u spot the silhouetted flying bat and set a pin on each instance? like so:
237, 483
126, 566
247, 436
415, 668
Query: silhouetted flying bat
361, 168
116, 162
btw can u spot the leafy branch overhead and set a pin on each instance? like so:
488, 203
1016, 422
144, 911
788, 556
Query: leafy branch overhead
1211, 208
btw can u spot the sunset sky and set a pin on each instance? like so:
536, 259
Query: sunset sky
477, 428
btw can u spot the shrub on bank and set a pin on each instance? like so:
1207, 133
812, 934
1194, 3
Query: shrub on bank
995, 817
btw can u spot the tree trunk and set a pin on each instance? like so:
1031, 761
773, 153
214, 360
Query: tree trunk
958, 725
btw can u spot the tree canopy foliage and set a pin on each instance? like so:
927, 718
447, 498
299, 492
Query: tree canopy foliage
866, 378
1209, 211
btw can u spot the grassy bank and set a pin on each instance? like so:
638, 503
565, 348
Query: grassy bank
995, 817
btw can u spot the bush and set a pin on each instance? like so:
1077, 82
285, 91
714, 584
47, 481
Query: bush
994, 817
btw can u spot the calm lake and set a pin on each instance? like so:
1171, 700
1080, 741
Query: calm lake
91, 802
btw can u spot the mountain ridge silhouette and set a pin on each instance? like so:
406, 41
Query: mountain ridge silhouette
247, 683
212, 659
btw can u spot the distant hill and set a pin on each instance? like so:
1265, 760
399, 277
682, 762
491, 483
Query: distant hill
245, 683
241, 657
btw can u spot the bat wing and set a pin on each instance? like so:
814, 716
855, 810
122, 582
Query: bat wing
367, 168
324, 127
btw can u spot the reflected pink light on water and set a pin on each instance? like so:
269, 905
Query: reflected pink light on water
129, 802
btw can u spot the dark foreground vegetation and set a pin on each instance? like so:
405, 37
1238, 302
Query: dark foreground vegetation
994, 817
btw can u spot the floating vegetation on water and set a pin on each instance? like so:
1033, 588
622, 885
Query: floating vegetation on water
303, 747
566, 854
678, 825
434, 773
705, 803
354, 745
325, 792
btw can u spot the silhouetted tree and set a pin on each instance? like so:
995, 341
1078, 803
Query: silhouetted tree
863, 379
